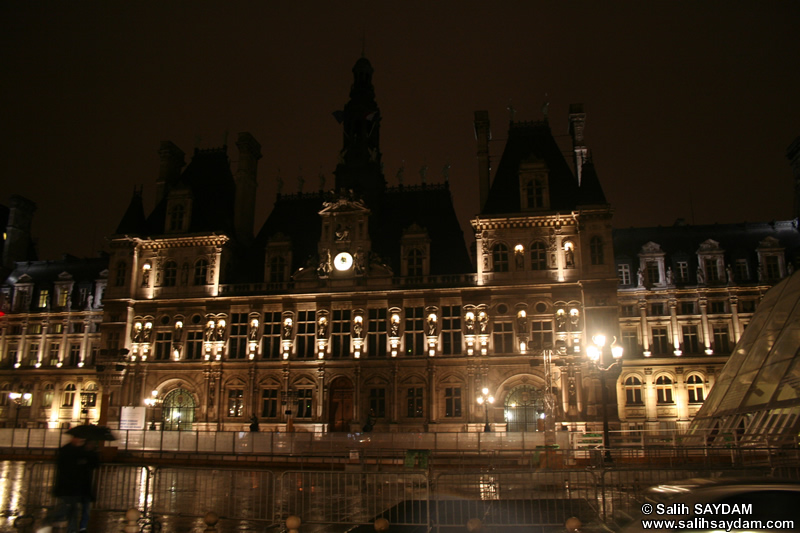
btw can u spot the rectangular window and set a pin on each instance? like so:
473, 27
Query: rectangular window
33, 353
660, 341
376, 332
304, 397
721, 342
414, 331
235, 402
503, 337
269, 403
630, 341
112, 340
657, 309
541, 334
741, 272
271, 341
306, 329
194, 345
44, 296
11, 354
624, 274
772, 269
163, 345
687, 308
451, 329
415, 402
653, 274
691, 342
35, 329
747, 306
452, 402
53, 354
74, 354
237, 341
716, 307
377, 401
683, 271
63, 295
340, 334
15, 329
712, 271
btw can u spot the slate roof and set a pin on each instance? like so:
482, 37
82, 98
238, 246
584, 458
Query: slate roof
528, 141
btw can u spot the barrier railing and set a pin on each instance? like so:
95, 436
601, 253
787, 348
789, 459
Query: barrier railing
533, 499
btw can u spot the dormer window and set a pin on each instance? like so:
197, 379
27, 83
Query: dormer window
277, 267
711, 261
533, 181
176, 217
414, 262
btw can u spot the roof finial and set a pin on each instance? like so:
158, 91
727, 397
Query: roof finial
511, 111
545, 107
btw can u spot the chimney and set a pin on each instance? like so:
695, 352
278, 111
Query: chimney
171, 164
483, 135
18, 231
246, 183
577, 122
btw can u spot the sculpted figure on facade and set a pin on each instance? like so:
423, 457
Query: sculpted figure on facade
483, 322
701, 276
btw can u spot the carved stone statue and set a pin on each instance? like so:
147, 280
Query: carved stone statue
136, 334
253, 333
670, 276
640, 277
469, 322
701, 276
394, 329
209, 333
431, 325
729, 274
483, 322
322, 327
287, 328
358, 329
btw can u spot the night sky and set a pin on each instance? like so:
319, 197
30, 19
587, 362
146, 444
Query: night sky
684, 99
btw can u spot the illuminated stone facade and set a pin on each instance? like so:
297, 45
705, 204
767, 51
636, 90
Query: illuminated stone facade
365, 298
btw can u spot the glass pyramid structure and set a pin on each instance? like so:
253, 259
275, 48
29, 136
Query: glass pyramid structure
756, 399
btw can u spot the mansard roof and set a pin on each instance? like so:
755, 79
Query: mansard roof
529, 141
737, 240
428, 206
134, 221
591, 192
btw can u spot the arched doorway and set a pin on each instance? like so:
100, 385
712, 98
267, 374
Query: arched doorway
340, 407
178, 410
523, 409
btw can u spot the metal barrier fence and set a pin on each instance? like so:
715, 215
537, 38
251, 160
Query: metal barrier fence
354, 498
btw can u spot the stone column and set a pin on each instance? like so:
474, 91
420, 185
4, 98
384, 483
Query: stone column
737, 327
645, 329
650, 396
676, 337
704, 321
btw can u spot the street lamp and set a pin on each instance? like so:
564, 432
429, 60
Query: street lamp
152, 402
484, 399
19, 400
595, 353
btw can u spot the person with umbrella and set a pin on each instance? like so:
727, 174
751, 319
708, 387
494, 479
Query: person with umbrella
75, 465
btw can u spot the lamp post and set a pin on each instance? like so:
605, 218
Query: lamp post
485, 399
19, 399
152, 402
595, 352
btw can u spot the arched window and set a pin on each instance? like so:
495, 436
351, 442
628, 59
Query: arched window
596, 250
414, 262
170, 274
119, 279
633, 391
69, 396
538, 256
47, 395
695, 388
200, 272
664, 389
500, 257
176, 217
89, 396
277, 265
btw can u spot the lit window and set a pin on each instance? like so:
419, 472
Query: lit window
624, 274
44, 295
235, 402
694, 385
664, 390
69, 396
633, 391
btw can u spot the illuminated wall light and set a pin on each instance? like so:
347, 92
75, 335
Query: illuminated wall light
252, 356
38, 364
60, 364
678, 353
519, 248
646, 353
709, 351
80, 364
17, 365
207, 356
522, 346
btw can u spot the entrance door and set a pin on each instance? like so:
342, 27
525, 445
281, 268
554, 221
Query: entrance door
524, 408
178, 412
340, 408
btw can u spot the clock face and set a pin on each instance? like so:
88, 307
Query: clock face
343, 261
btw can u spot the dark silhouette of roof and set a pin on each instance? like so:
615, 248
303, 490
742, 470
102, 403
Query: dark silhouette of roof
529, 142
590, 192
134, 221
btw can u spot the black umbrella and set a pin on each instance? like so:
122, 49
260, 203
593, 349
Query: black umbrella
91, 432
